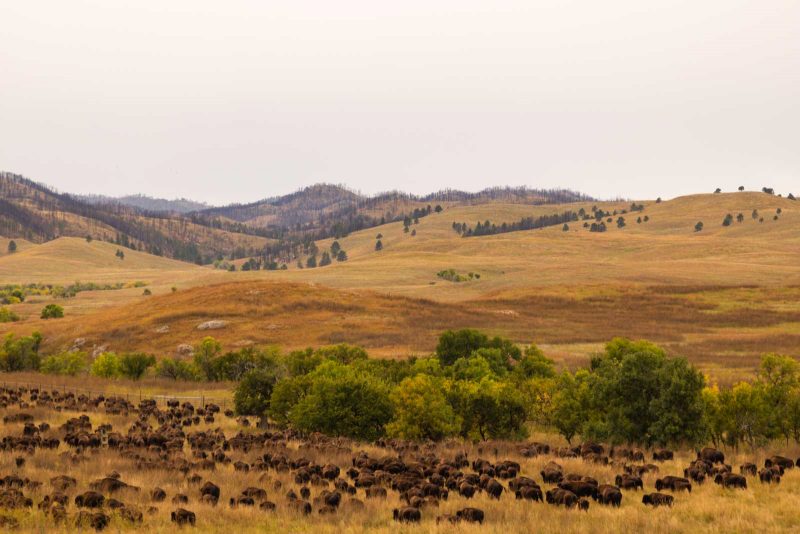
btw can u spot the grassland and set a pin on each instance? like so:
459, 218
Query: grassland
721, 296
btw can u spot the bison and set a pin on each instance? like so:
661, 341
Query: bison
657, 499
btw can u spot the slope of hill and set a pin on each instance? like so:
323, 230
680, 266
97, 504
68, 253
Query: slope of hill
721, 296
36, 213
147, 203
67, 259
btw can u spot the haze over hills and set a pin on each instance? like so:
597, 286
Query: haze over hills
148, 203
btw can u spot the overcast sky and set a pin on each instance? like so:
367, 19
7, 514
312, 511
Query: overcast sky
236, 100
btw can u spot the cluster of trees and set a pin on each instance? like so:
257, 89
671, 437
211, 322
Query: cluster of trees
471, 388
336, 252
478, 388
132, 365
16, 293
526, 223
452, 276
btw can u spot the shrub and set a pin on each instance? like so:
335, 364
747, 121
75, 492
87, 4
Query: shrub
8, 316
65, 363
133, 365
106, 365
52, 311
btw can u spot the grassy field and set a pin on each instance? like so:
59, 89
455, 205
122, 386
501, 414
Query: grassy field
722, 296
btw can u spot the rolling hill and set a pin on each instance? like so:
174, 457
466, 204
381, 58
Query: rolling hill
720, 296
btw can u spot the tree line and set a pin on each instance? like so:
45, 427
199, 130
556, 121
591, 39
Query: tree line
475, 387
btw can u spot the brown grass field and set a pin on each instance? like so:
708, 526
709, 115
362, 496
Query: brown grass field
709, 507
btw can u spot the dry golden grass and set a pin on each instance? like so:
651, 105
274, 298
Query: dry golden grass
709, 508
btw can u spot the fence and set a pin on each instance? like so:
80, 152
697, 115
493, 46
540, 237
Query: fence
41, 386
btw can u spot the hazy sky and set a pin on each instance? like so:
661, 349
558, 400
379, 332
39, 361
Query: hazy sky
234, 100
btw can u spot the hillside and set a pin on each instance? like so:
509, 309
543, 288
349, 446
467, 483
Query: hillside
32, 211
721, 296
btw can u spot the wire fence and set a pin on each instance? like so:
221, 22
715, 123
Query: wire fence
130, 397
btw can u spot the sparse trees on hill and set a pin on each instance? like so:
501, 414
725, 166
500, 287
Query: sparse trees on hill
740, 218
325, 260
12, 246
565, 228
727, 220
755, 215
341, 256
438, 208
311, 262
717, 191
88, 238
378, 245
335, 248
120, 254
698, 227
741, 188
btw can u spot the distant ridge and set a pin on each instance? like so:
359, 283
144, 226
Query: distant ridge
147, 203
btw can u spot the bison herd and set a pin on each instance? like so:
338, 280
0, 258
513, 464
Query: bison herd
292, 473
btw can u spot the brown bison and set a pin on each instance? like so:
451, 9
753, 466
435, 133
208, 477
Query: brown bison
183, 517
657, 499
470, 515
731, 480
408, 514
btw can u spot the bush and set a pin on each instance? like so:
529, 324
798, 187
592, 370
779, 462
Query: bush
52, 311
106, 365
8, 316
252, 396
65, 363
133, 365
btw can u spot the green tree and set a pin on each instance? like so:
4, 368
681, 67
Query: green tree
286, 394
341, 402
52, 311
20, 353
311, 262
569, 411
12, 246
134, 365
326, 259
253, 393
64, 363
535, 364
378, 245
421, 410
698, 227
205, 353
341, 256
455, 344
106, 365
176, 369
